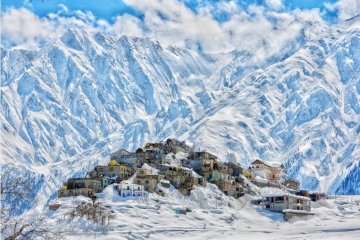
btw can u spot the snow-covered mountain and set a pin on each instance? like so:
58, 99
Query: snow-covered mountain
68, 105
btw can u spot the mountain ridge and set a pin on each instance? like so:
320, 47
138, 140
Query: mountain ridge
67, 106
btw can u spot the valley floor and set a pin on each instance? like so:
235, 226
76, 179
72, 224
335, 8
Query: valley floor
213, 216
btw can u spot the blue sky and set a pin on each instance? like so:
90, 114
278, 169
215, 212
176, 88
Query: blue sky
106, 9
206, 25
109, 9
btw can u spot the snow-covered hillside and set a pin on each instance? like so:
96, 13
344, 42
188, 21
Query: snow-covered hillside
66, 107
210, 215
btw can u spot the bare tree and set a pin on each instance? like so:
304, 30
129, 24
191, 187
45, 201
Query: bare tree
28, 228
94, 211
14, 190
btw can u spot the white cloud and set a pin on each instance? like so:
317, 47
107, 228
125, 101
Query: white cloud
260, 30
127, 25
171, 22
274, 4
262, 33
24, 29
346, 8
255, 33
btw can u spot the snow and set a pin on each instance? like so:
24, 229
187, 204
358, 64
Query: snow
154, 171
297, 211
273, 163
212, 216
261, 180
66, 107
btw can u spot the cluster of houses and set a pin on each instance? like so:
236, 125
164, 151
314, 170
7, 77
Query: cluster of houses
152, 168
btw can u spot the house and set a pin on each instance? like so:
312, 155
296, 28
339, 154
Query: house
283, 201
131, 190
155, 156
198, 160
234, 169
224, 167
292, 184
248, 174
133, 160
81, 186
272, 172
216, 175
142, 172
54, 206
148, 177
155, 145
115, 172
182, 178
230, 188
175, 146
192, 163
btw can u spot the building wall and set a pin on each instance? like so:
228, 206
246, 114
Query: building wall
260, 170
87, 192
278, 204
149, 182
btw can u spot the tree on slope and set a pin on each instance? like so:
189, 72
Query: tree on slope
26, 226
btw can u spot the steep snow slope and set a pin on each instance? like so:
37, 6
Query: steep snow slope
302, 111
68, 98
66, 107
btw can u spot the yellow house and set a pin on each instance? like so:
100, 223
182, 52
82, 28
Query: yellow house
247, 174
113, 170
113, 163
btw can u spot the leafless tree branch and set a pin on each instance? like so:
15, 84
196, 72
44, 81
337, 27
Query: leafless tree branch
25, 227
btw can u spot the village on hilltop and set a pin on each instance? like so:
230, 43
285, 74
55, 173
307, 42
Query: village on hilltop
174, 163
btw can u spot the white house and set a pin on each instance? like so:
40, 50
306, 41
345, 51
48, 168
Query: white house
273, 172
131, 190
279, 202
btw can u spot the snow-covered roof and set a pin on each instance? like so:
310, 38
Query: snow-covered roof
146, 166
126, 184
273, 164
269, 163
195, 174
284, 194
153, 170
